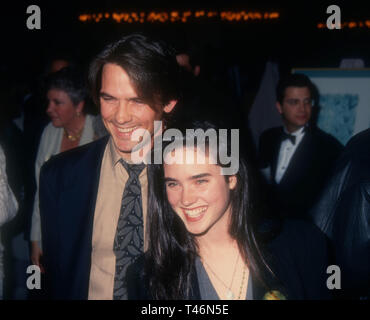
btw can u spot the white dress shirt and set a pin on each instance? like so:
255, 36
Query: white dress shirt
287, 149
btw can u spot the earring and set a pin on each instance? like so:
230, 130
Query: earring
78, 113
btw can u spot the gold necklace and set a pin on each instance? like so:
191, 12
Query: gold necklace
72, 137
229, 293
242, 283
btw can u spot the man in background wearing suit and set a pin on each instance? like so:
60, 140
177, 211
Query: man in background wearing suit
343, 214
93, 199
297, 158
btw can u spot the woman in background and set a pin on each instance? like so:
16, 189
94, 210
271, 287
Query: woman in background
8, 209
208, 240
69, 128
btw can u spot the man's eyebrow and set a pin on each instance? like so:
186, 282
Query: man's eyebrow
167, 179
202, 175
103, 94
135, 99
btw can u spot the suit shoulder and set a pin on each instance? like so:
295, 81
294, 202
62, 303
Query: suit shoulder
299, 234
270, 134
71, 158
360, 138
359, 145
300, 254
271, 131
327, 139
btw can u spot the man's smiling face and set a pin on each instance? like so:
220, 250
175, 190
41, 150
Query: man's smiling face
122, 110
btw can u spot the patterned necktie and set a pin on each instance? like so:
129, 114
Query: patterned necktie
129, 238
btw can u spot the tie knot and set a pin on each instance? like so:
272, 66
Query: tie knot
133, 169
288, 136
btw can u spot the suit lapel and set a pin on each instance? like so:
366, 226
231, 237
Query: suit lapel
76, 223
275, 154
95, 164
96, 167
299, 161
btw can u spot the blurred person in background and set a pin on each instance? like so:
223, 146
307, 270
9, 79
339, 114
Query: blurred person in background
70, 127
297, 158
343, 214
15, 248
8, 209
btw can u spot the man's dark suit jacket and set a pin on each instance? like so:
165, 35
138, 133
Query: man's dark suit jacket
343, 214
297, 253
68, 190
307, 171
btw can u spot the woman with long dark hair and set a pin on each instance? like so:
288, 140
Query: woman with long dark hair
209, 240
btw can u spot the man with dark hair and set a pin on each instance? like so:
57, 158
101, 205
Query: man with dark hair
296, 158
93, 199
190, 58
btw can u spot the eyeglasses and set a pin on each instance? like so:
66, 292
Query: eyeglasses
297, 102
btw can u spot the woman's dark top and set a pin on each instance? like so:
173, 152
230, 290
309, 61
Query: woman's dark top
297, 254
206, 288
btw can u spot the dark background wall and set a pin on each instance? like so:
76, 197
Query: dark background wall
292, 41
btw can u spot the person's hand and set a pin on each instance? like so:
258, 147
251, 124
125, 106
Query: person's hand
36, 255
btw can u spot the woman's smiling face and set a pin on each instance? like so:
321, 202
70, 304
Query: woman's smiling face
198, 193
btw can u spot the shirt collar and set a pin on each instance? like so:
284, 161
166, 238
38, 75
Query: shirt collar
115, 157
296, 133
113, 154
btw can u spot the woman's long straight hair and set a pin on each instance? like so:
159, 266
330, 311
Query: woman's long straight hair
172, 249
